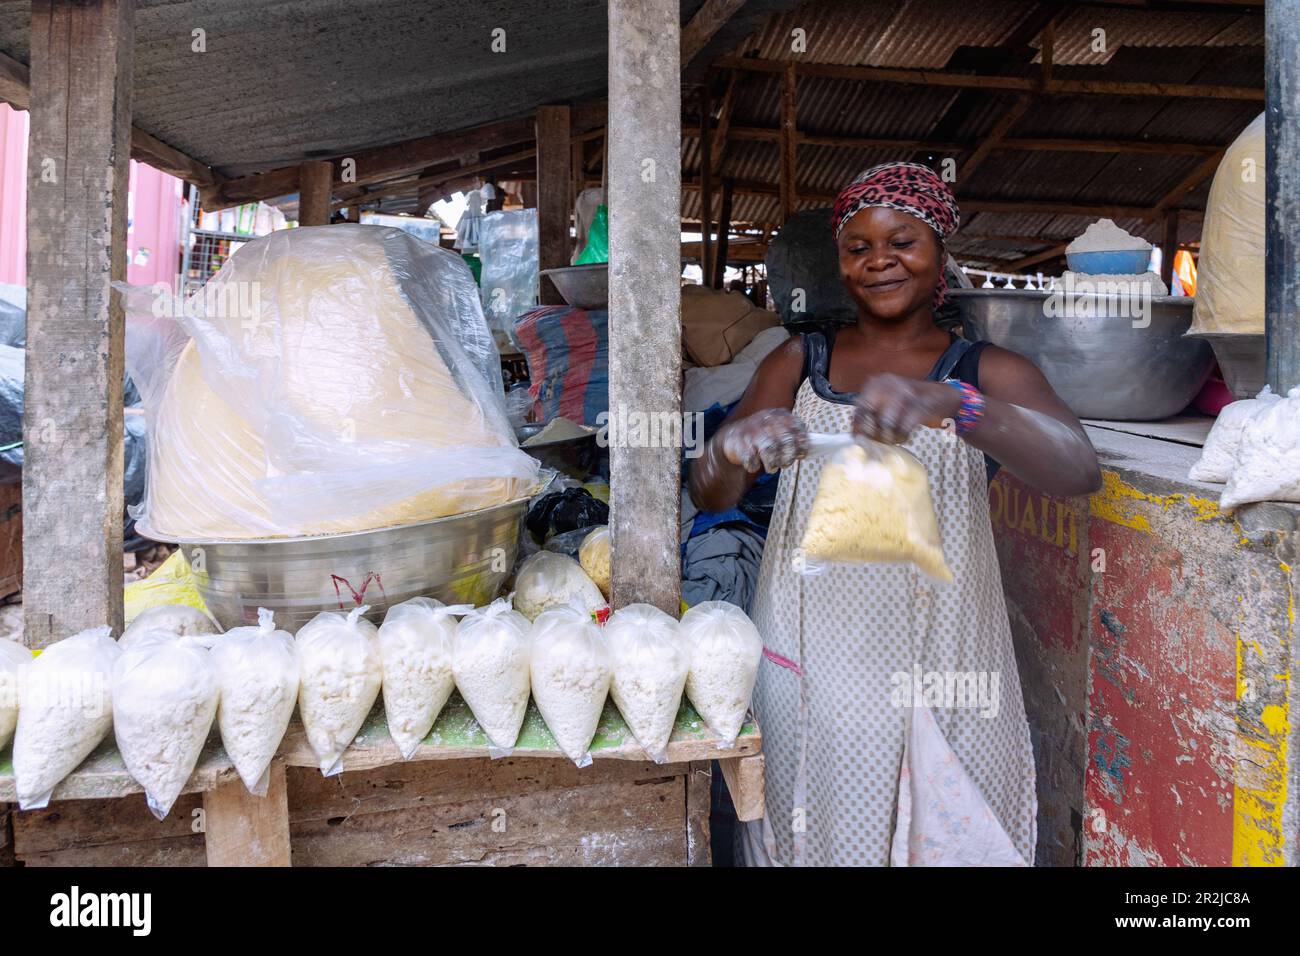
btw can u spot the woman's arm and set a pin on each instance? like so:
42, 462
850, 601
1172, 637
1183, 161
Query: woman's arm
759, 434
1025, 426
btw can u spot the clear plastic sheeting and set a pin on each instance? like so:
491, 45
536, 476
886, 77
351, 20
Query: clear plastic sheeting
327, 379
507, 244
1230, 271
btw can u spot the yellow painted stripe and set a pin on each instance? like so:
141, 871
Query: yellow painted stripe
1121, 503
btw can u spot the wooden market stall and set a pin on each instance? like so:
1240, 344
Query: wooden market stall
723, 117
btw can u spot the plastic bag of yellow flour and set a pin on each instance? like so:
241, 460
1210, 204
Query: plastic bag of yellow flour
873, 505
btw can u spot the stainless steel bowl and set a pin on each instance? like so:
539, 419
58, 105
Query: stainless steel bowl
1106, 359
583, 287
461, 559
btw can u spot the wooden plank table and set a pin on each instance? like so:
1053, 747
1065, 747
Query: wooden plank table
241, 829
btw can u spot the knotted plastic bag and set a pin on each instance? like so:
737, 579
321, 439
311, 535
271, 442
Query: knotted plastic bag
415, 647
340, 672
1267, 466
593, 555
257, 674
65, 712
1219, 456
873, 505
570, 668
164, 701
725, 652
650, 661
14, 661
548, 580
489, 660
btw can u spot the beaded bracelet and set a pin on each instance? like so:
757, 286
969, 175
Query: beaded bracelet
972, 406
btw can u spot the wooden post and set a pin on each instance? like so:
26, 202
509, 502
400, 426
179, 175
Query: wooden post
1282, 202
315, 180
789, 187
553, 154
243, 830
354, 213
1170, 248
724, 227
645, 328
706, 187
81, 83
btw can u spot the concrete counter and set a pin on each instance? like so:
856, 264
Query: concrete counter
1156, 642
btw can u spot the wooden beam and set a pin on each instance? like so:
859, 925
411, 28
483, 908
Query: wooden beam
375, 165
314, 179
708, 20
15, 88
1201, 172
990, 142
444, 175
719, 148
81, 83
1024, 144
243, 830
1282, 198
553, 207
1055, 252
706, 182
724, 228
744, 779
1023, 84
1169, 248
645, 329
789, 186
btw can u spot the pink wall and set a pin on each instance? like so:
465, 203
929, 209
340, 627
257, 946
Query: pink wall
154, 209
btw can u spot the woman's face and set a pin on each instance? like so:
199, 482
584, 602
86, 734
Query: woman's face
890, 263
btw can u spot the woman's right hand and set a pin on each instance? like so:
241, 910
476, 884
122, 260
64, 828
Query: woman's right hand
768, 440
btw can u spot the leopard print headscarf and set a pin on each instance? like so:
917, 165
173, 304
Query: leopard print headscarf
908, 187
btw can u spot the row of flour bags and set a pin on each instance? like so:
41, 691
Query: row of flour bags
1254, 448
161, 686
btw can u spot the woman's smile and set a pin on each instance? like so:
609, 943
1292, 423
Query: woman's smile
884, 286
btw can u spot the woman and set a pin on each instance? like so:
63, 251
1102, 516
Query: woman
833, 732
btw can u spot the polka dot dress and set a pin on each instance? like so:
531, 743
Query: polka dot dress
864, 636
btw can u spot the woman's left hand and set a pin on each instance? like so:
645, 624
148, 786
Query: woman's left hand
890, 407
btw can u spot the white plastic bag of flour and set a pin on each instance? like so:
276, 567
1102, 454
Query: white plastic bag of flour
650, 665
725, 650
65, 712
548, 579
571, 671
489, 659
164, 701
415, 646
340, 672
179, 620
14, 661
257, 675
1219, 456
1268, 460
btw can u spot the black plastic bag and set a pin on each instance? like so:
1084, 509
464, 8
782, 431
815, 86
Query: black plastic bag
563, 511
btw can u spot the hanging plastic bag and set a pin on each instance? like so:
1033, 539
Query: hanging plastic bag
340, 672
14, 661
415, 647
65, 712
570, 671
326, 380
650, 662
597, 247
489, 660
164, 701
872, 505
257, 675
178, 620
1267, 466
725, 651
1219, 456
548, 580
593, 555
508, 246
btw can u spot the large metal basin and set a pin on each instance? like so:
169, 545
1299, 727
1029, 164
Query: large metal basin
462, 559
583, 287
1105, 359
